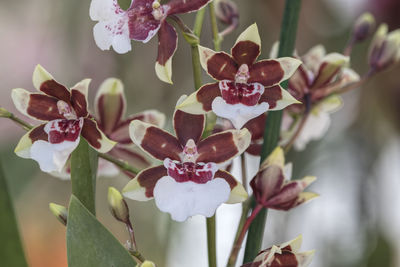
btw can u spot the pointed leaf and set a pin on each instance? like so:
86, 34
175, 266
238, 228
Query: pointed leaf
89, 243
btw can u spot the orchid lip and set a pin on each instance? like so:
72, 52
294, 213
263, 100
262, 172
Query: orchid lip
190, 171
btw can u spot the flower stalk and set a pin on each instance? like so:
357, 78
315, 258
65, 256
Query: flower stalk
198, 25
273, 123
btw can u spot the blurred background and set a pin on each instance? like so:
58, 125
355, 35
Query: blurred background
355, 222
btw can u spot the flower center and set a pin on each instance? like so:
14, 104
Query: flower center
63, 130
243, 74
190, 153
66, 110
158, 11
190, 171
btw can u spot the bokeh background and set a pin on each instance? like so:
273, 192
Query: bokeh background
355, 222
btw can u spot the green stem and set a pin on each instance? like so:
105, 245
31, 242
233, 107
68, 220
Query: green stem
211, 242
214, 27
198, 25
83, 174
273, 123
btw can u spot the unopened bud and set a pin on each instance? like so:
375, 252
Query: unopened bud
226, 11
384, 49
147, 264
60, 212
363, 27
118, 206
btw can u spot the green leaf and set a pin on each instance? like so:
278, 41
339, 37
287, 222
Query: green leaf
83, 174
124, 4
11, 251
89, 243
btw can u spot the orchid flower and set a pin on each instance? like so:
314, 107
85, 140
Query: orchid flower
64, 116
245, 88
110, 106
273, 188
141, 21
318, 77
284, 255
189, 182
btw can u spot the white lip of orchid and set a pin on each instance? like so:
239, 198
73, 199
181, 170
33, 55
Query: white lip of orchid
190, 153
66, 110
158, 11
242, 74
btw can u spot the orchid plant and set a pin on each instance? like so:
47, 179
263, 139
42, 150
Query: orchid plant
186, 172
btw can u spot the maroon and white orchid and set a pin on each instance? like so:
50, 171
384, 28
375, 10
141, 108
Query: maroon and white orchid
141, 21
319, 76
273, 188
245, 88
65, 118
189, 182
284, 255
110, 106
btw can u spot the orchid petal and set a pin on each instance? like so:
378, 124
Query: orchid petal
156, 142
185, 6
121, 132
183, 200
256, 126
167, 44
270, 72
132, 156
277, 157
200, 101
219, 65
43, 81
239, 114
79, 94
277, 98
330, 65
110, 104
95, 137
188, 126
224, 146
142, 186
112, 28
238, 193
313, 58
248, 46
36, 106
24, 145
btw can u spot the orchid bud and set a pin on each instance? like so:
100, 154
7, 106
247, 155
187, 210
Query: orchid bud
118, 206
4, 112
60, 212
363, 27
148, 264
384, 48
226, 11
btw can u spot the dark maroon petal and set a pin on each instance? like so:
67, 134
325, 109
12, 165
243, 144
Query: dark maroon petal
217, 148
43, 107
91, 133
227, 177
325, 74
53, 88
222, 66
167, 43
149, 177
185, 6
288, 194
38, 133
207, 93
245, 52
247, 94
188, 126
108, 120
254, 149
256, 127
267, 72
286, 259
267, 184
271, 95
142, 24
158, 143
79, 104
